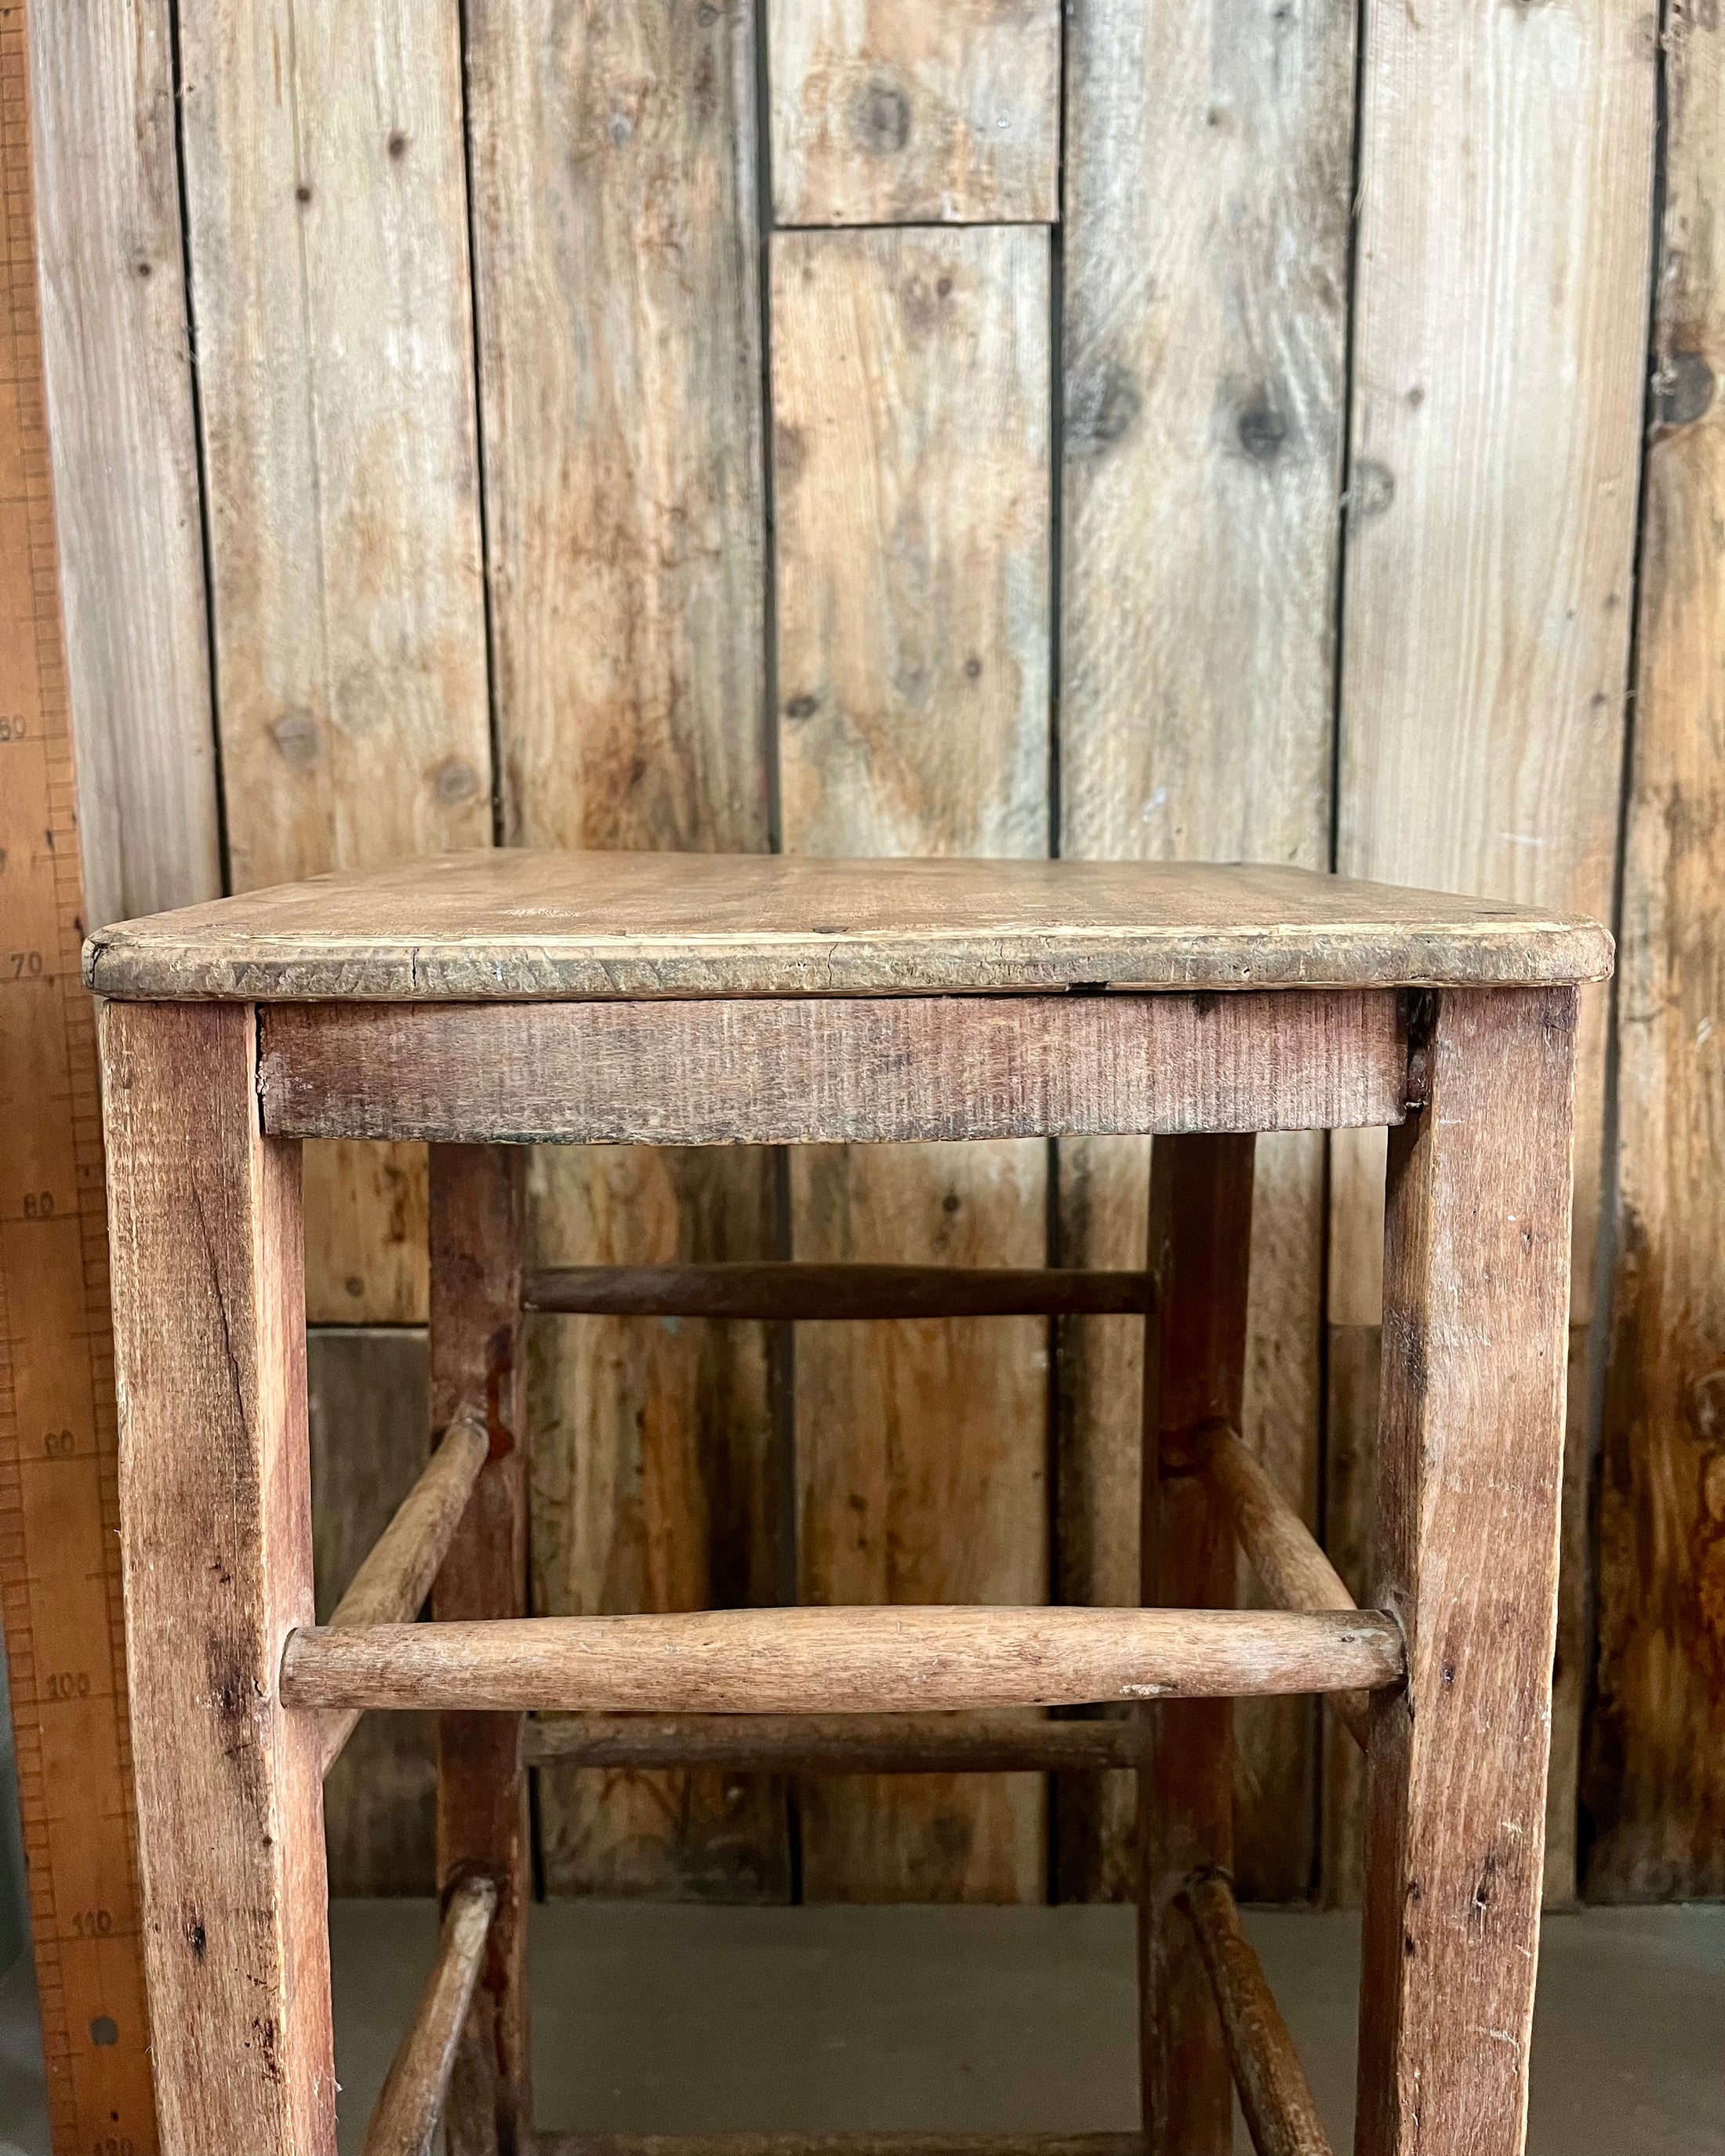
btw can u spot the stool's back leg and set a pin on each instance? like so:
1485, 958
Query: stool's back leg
481, 1788
1471, 1444
1201, 1238
210, 1332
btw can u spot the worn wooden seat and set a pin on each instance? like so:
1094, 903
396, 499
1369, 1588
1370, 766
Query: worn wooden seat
484, 1000
515, 924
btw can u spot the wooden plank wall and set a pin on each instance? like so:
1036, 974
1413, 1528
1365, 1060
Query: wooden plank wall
855, 426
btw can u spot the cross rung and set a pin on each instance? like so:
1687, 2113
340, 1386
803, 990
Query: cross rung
868, 1660
834, 1743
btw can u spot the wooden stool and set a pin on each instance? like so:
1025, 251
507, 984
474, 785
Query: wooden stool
486, 1001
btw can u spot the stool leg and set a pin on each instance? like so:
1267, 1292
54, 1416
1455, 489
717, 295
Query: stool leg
1200, 1240
482, 1789
1470, 1447
209, 1335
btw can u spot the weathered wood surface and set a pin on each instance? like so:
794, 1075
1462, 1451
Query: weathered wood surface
1200, 1230
216, 1520
1471, 1455
477, 1232
1274, 2093
120, 413
1208, 176
1654, 1787
410, 2104
841, 2144
615, 247
821, 1070
378, 1798
615, 224
1498, 346
835, 1744
327, 234
520, 924
834, 1660
787, 1290
893, 113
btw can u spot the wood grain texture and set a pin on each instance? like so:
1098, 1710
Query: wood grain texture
1274, 2093
884, 112
615, 234
1654, 1787
1195, 1348
215, 1526
410, 2104
841, 2144
1469, 1472
786, 1291
864, 1660
835, 1744
477, 1369
911, 445
814, 1070
619, 357
1208, 175
524, 925
379, 1798
118, 371
327, 223
1500, 329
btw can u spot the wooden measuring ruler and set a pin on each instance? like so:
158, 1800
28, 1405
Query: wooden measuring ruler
59, 1554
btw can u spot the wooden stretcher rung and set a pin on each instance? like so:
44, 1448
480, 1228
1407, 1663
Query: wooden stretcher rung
1279, 2113
839, 2144
787, 1291
834, 1743
394, 1578
411, 2100
842, 1660
1290, 1563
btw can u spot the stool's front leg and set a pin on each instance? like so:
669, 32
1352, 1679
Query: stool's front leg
1200, 1243
475, 1233
1470, 1442
209, 1330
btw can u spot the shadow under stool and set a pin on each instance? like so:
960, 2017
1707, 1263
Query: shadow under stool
486, 1001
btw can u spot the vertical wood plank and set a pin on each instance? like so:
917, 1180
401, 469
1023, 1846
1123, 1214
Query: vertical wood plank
614, 220
118, 374
1204, 297
893, 113
369, 1429
1499, 334
477, 1228
909, 384
327, 215
1654, 1788
215, 1505
1476, 1308
1200, 1226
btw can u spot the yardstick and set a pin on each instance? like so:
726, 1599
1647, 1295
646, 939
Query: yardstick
59, 1552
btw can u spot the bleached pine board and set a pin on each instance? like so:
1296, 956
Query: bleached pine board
1208, 174
1655, 1769
615, 224
326, 220
894, 112
118, 367
1500, 325
911, 397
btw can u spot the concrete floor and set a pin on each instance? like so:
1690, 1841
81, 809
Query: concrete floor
677, 2019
